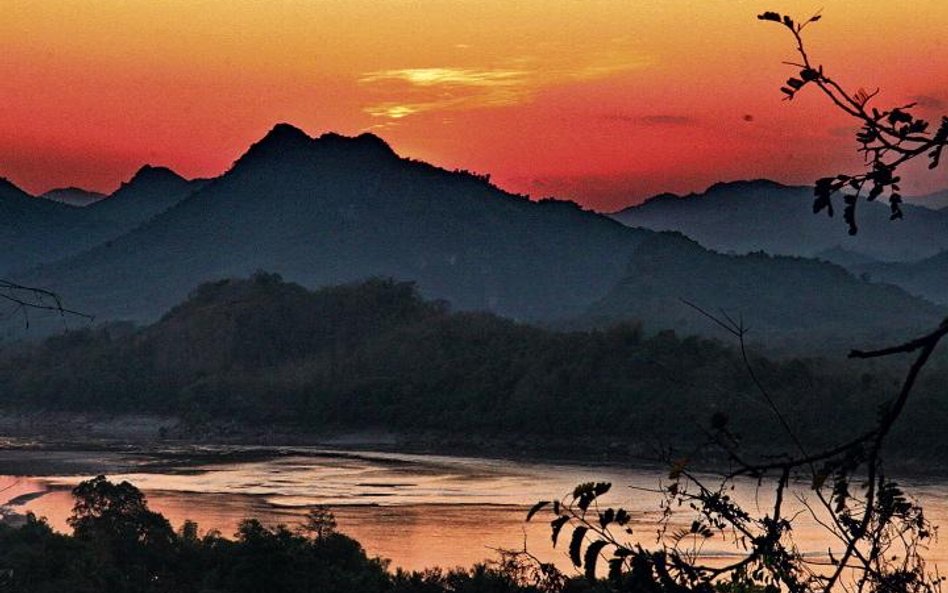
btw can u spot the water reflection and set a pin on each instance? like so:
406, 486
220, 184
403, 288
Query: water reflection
417, 510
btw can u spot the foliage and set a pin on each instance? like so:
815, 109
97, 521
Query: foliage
877, 531
263, 351
120, 546
888, 138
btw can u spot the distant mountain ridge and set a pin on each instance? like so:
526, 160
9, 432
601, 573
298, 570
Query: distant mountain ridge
782, 300
74, 196
37, 231
746, 216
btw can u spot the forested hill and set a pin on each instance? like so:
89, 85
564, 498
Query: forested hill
376, 355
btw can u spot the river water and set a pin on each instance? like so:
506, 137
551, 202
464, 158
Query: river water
416, 510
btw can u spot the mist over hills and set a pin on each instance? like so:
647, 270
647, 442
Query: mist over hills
747, 216
35, 231
336, 209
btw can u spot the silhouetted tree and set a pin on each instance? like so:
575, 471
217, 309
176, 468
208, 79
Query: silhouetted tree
877, 532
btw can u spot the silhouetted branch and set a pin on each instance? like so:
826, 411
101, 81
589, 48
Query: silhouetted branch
30, 298
888, 138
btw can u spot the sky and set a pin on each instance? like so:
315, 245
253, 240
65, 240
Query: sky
604, 102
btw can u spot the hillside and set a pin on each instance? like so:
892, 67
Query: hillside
783, 300
927, 277
336, 209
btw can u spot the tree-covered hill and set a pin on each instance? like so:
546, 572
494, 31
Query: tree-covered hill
268, 353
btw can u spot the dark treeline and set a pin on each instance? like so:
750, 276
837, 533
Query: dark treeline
376, 355
119, 545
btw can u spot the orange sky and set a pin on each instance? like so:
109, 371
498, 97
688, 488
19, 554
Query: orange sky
601, 101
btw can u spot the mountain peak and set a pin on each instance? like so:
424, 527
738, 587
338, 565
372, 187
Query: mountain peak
745, 185
366, 142
285, 134
73, 196
151, 174
280, 140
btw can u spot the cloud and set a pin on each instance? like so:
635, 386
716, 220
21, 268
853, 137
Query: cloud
930, 102
421, 90
458, 77
657, 119
404, 92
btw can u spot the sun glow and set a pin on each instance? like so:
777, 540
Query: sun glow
605, 102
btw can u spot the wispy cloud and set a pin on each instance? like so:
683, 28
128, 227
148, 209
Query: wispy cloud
462, 77
405, 92
929, 102
421, 90
657, 119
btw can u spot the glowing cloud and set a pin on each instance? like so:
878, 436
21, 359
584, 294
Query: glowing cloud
410, 91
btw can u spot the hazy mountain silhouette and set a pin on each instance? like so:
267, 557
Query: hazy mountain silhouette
74, 196
801, 301
37, 231
933, 201
746, 216
32, 230
927, 278
336, 209
150, 191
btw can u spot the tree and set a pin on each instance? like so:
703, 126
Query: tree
877, 530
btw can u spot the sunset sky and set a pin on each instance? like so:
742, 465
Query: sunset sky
601, 101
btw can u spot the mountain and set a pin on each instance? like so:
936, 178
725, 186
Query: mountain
149, 192
790, 300
933, 201
38, 231
30, 228
927, 277
73, 196
746, 216
844, 257
336, 209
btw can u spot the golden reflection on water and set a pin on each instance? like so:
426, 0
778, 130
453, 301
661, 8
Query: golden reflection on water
416, 510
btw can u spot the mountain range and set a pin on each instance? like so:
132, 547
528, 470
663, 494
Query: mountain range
762, 215
35, 231
747, 216
335, 209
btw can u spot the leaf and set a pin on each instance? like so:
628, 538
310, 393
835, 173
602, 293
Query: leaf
556, 526
615, 569
536, 508
590, 558
769, 16
576, 544
607, 517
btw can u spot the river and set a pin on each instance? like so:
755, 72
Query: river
416, 510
